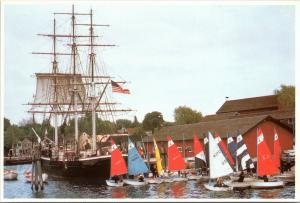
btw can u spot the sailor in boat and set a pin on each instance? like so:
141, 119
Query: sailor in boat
117, 179
241, 177
141, 178
265, 178
220, 183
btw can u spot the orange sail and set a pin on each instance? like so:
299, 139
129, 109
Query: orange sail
223, 147
117, 164
265, 162
277, 151
198, 153
175, 159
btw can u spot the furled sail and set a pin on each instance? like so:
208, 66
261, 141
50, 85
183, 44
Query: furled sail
47, 89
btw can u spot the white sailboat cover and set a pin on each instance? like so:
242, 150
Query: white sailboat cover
219, 165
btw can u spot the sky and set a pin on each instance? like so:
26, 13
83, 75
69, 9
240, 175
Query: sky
176, 54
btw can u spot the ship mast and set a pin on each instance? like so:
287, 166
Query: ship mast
74, 48
55, 86
93, 93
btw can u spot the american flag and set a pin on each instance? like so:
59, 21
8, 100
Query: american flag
118, 88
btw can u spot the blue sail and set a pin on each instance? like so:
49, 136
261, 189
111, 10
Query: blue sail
136, 164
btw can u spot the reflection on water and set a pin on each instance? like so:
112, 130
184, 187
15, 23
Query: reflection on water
93, 188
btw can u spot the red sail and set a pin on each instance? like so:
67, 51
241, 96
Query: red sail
223, 147
117, 164
277, 151
265, 163
175, 159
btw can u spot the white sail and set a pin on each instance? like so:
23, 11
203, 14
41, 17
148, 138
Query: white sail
218, 165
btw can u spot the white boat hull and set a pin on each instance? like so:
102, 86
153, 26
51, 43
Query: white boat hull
238, 185
44, 177
112, 183
154, 180
267, 185
194, 177
11, 176
168, 180
217, 189
179, 179
134, 182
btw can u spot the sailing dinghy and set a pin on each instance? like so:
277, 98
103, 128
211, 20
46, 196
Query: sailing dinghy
159, 168
136, 165
117, 166
175, 161
219, 165
265, 165
200, 160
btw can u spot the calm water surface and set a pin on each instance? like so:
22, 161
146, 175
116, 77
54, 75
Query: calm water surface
92, 189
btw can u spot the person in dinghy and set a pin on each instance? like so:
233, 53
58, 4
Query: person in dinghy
220, 183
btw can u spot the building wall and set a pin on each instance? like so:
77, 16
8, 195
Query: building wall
285, 137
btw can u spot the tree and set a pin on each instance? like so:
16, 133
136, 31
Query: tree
135, 123
123, 123
153, 120
185, 115
286, 96
6, 124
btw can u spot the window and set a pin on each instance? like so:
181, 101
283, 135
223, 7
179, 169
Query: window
188, 149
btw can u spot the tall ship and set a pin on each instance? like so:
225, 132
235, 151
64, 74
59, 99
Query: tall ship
76, 86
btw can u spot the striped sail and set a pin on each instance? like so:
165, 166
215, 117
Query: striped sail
219, 165
243, 157
136, 164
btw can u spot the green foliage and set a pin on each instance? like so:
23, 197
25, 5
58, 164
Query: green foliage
286, 96
123, 123
185, 115
135, 123
6, 124
138, 131
153, 120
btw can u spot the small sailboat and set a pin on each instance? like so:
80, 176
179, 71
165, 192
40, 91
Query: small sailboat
136, 166
10, 174
117, 166
265, 165
159, 168
287, 177
176, 162
243, 162
219, 165
200, 161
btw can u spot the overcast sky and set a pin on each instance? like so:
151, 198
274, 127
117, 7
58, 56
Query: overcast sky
180, 54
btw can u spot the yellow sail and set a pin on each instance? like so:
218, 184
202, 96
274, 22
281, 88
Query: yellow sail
158, 159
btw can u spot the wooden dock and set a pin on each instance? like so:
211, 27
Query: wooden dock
17, 160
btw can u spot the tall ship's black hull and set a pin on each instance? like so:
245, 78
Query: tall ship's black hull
95, 167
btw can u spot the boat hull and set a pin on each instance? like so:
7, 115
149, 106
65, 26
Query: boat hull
98, 167
154, 180
267, 185
134, 182
10, 176
112, 183
217, 189
194, 177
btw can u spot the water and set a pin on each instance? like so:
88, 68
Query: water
93, 189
